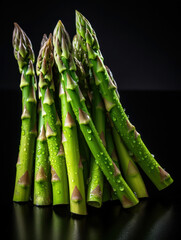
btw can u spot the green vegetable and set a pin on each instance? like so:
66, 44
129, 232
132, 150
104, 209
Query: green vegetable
95, 105
129, 168
42, 178
83, 147
52, 123
96, 182
132, 139
67, 68
24, 55
73, 160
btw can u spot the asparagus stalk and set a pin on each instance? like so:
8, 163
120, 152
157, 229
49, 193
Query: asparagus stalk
66, 66
24, 55
84, 156
96, 180
52, 123
112, 152
129, 168
126, 130
83, 147
73, 160
42, 183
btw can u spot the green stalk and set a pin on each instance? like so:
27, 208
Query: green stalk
52, 125
83, 147
126, 130
67, 68
96, 180
73, 160
84, 156
129, 168
42, 178
112, 152
24, 55
92, 95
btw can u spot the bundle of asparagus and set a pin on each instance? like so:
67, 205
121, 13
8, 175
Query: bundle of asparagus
85, 139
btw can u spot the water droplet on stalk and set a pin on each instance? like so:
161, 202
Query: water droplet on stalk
121, 188
89, 130
114, 119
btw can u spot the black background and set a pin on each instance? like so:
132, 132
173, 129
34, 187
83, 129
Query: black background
141, 43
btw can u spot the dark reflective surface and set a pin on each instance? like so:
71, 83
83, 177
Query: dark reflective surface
151, 219
157, 117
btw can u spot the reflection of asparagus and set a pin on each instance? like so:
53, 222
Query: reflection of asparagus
25, 57
73, 160
66, 66
52, 125
42, 185
127, 131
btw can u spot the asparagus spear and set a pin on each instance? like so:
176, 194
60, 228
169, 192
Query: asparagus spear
83, 147
83, 72
129, 168
96, 179
66, 66
42, 184
24, 55
127, 131
96, 182
112, 151
59, 181
73, 160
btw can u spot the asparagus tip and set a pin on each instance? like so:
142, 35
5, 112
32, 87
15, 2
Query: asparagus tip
16, 25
